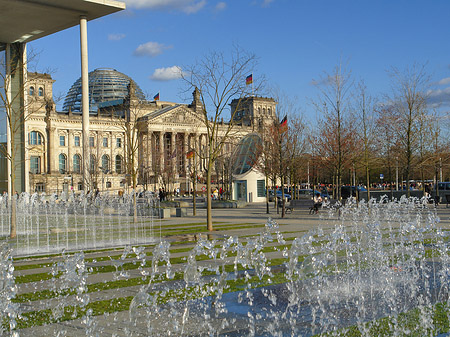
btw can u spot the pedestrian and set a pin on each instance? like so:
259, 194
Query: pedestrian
317, 202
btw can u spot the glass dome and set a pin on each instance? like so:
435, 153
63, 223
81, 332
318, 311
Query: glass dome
105, 85
246, 153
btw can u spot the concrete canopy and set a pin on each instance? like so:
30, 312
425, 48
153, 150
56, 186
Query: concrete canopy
28, 20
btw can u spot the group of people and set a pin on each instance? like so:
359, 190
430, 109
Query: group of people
217, 193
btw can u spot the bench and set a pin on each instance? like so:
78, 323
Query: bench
287, 208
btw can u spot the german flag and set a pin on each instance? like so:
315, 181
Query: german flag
156, 97
249, 79
283, 122
190, 154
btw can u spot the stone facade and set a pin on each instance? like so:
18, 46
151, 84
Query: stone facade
159, 133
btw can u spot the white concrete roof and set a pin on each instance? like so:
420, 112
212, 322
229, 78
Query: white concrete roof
28, 20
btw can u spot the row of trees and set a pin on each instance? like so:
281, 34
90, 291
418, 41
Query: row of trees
357, 137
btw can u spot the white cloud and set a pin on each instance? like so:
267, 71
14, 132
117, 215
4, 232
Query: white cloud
221, 6
167, 74
266, 3
439, 96
151, 49
115, 37
186, 6
444, 81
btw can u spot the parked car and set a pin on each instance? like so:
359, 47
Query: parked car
308, 193
287, 196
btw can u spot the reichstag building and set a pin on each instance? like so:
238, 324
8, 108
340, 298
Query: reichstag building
165, 134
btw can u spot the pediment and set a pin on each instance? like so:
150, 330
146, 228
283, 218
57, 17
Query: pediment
180, 115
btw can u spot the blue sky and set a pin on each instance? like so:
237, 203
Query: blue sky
296, 41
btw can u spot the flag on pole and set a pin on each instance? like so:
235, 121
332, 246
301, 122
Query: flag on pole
249, 79
283, 122
156, 97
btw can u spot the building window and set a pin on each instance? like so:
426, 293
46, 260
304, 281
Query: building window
260, 188
62, 163
105, 142
108, 184
31, 92
35, 164
41, 91
92, 163
80, 186
119, 142
34, 138
91, 141
39, 187
118, 164
77, 140
62, 140
77, 163
269, 112
105, 163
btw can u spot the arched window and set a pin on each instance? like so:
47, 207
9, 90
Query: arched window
259, 111
92, 163
77, 163
41, 91
31, 92
34, 138
264, 111
118, 164
105, 163
269, 112
62, 163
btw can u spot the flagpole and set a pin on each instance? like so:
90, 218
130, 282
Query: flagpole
253, 94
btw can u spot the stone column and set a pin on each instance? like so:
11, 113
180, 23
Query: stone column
69, 152
184, 152
51, 145
149, 151
161, 151
173, 152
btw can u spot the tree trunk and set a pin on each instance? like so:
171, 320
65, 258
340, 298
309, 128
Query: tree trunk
267, 195
12, 198
194, 189
13, 231
208, 199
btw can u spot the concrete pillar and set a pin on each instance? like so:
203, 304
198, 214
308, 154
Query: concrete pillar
15, 135
85, 100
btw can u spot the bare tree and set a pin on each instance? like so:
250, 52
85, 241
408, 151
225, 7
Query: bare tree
408, 101
131, 126
218, 80
336, 142
366, 112
387, 142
